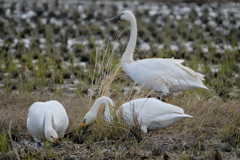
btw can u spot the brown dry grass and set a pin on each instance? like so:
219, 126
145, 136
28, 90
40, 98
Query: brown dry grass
211, 118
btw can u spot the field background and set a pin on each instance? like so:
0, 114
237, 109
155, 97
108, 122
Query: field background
68, 51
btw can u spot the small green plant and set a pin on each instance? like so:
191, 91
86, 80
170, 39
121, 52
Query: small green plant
5, 144
49, 151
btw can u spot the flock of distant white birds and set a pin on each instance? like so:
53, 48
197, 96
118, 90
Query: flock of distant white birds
49, 120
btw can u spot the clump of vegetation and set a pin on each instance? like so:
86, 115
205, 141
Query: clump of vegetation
5, 144
231, 132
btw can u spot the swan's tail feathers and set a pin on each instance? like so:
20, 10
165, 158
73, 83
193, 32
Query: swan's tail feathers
187, 116
197, 75
178, 61
204, 87
183, 115
190, 71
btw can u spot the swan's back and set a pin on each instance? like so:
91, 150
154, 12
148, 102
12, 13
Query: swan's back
36, 117
151, 106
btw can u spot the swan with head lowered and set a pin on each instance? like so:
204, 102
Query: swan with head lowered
91, 115
151, 114
161, 75
47, 120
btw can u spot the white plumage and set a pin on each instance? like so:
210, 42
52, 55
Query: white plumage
47, 120
161, 75
91, 115
151, 114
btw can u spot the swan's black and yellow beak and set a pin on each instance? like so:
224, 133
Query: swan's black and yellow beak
55, 142
84, 126
116, 18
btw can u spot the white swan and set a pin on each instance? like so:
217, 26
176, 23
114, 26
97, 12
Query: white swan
161, 75
151, 114
47, 120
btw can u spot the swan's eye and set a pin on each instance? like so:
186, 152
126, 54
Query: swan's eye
51, 136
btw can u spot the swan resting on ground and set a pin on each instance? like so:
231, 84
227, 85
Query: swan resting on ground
47, 120
161, 75
151, 114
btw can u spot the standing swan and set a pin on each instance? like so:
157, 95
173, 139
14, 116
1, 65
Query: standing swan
161, 75
47, 120
151, 114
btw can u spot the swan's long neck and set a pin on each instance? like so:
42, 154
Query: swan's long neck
96, 106
128, 54
48, 117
